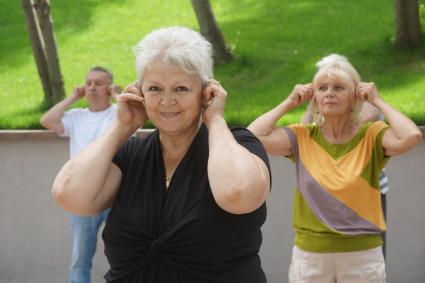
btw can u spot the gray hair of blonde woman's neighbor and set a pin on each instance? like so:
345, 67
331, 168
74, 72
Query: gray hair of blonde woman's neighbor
336, 66
105, 70
177, 46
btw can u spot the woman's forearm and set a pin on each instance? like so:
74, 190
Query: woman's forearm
264, 125
404, 129
82, 178
239, 180
53, 116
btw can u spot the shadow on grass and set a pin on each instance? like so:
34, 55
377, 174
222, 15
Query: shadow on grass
308, 30
29, 125
69, 17
31, 116
276, 43
28, 117
306, 41
390, 66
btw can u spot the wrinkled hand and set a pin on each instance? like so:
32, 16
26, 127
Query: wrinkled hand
78, 92
130, 107
114, 90
367, 92
300, 94
213, 101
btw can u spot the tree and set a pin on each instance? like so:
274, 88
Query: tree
211, 31
37, 47
408, 31
43, 42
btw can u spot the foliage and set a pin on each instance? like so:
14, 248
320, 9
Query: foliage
276, 44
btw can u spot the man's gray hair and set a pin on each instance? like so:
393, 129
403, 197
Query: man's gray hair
177, 46
103, 69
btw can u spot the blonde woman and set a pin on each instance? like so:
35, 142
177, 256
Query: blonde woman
337, 208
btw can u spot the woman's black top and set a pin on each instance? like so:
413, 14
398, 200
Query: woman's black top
179, 235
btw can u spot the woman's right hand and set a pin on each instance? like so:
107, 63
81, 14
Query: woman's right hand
300, 94
130, 108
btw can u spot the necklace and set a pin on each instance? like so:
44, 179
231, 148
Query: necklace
167, 181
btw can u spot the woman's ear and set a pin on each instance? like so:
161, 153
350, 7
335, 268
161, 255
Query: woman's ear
313, 107
313, 101
355, 91
206, 95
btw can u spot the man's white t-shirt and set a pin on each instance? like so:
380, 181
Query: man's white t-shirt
83, 126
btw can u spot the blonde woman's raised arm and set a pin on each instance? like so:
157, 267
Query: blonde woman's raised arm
274, 139
403, 133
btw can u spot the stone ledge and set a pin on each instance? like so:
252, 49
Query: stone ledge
48, 134
27, 134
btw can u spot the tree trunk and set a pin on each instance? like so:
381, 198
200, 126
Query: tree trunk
408, 31
37, 49
211, 31
46, 27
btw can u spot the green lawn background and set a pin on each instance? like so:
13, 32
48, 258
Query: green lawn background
276, 43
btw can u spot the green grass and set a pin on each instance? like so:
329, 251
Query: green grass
276, 43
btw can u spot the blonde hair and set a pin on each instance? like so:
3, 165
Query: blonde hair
178, 46
336, 66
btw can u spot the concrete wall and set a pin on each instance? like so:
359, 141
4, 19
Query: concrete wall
34, 239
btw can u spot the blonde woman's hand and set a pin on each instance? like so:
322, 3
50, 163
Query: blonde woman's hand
213, 101
300, 94
130, 107
367, 92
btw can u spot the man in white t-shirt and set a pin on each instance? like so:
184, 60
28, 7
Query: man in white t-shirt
82, 126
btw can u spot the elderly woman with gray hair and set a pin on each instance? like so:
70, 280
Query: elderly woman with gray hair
337, 209
188, 200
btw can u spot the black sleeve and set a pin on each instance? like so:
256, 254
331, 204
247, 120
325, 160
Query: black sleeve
122, 157
248, 140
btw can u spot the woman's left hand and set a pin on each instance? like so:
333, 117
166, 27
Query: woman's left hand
213, 101
367, 92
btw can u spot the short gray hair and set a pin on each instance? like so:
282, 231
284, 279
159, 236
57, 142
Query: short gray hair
106, 71
177, 46
337, 66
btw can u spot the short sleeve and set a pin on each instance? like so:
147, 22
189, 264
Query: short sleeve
67, 121
379, 149
294, 131
122, 157
249, 141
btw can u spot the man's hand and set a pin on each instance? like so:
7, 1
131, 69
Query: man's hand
78, 92
114, 90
